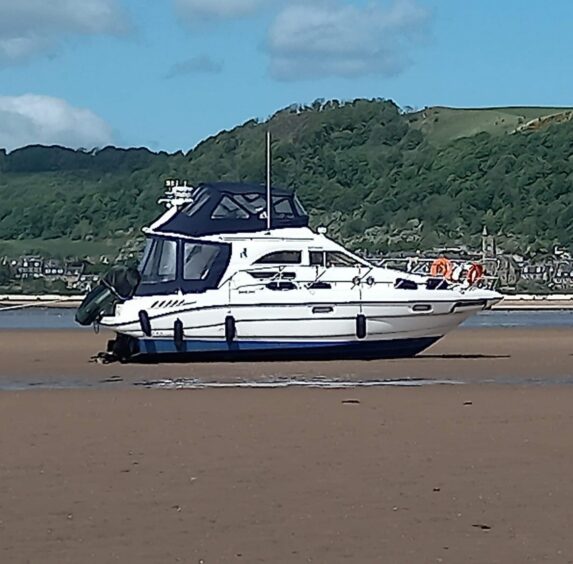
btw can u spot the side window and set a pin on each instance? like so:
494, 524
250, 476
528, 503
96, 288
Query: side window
298, 207
161, 263
282, 208
316, 258
228, 209
281, 257
197, 203
198, 260
253, 203
338, 259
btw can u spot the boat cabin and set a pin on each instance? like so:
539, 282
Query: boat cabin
174, 264
178, 258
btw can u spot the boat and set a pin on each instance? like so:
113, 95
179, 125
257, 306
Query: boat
234, 272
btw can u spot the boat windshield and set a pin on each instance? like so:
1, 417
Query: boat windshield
159, 263
169, 266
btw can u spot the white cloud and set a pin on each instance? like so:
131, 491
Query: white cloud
201, 64
201, 10
32, 27
35, 119
335, 38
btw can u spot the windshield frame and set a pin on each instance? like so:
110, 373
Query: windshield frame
217, 269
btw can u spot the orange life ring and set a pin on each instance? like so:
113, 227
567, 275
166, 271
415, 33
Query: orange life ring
475, 273
442, 267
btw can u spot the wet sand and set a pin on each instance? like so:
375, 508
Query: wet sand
110, 472
500, 355
434, 474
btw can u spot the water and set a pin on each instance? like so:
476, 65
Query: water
534, 319
272, 383
38, 318
61, 318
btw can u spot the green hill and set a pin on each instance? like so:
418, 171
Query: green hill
442, 125
377, 177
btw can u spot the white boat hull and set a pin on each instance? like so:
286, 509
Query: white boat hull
296, 329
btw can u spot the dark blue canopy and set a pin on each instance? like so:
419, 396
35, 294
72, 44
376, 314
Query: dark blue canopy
235, 208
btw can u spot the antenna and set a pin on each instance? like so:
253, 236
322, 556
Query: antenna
269, 195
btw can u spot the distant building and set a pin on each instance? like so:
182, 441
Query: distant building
74, 269
53, 269
27, 267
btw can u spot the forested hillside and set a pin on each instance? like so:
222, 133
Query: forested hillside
366, 170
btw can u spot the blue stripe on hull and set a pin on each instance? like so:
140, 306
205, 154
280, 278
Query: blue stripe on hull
269, 350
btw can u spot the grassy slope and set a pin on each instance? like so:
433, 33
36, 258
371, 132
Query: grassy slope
443, 125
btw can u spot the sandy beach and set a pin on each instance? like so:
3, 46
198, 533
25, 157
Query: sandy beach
500, 355
111, 472
436, 474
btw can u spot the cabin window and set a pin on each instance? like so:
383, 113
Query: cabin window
332, 258
281, 257
281, 286
197, 203
282, 208
253, 203
203, 265
198, 260
243, 206
340, 259
298, 206
160, 262
229, 209
316, 258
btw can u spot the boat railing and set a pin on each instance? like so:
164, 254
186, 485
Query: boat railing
176, 194
422, 266
283, 273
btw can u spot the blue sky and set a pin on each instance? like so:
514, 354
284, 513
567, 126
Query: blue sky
167, 73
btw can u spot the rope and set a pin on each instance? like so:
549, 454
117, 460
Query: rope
26, 306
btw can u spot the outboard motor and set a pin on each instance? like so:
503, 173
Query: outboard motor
118, 285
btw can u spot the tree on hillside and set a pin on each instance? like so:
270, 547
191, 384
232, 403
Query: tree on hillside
364, 167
